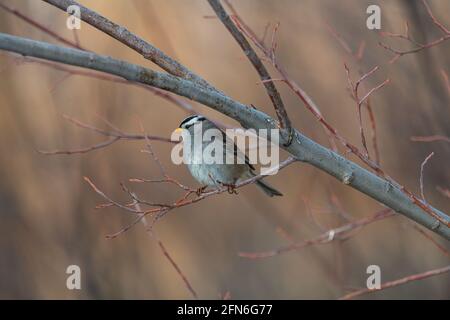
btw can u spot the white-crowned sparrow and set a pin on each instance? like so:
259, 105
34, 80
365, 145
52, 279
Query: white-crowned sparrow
217, 174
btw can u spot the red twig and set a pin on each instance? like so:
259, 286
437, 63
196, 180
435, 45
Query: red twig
430, 138
270, 56
308, 102
390, 284
339, 39
310, 212
252, 56
331, 131
166, 254
82, 150
433, 18
446, 80
360, 52
422, 166
431, 239
330, 272
39, 26
418, 46
98, 75
358, 57
168, 96
162, 209
444, 191
114, 136
75, 36
177, 268
336, 203
134, 42
374, 132
326, 237
359, 101
102, 194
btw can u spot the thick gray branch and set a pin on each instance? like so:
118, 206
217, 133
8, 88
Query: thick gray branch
271, 89
131, 40
302, 147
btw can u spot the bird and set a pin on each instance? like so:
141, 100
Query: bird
204, 169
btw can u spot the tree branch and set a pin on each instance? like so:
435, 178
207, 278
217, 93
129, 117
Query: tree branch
418, 46
325, 237
39, 26
398, 282
132, 41
271, 89
303, 148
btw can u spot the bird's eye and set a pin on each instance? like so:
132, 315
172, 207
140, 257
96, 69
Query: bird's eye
189, 121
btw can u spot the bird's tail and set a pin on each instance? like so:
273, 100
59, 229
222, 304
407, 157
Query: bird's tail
268, 189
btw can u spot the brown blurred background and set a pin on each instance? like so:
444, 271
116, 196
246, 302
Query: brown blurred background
47, 215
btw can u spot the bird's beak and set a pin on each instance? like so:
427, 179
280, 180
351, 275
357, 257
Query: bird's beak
179, 130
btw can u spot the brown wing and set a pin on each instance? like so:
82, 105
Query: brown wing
236, 151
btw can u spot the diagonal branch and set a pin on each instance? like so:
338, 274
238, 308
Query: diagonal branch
430, 138
166, 254
398, 282
422, 166
417, 46
271, 89
132, 41
431, 239
114, 136
354, 89
302, 148
39, 26
158, 210
97, 146
170, 97
326, 237
332, 132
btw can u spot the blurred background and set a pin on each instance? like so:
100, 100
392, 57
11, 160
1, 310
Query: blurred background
48, 219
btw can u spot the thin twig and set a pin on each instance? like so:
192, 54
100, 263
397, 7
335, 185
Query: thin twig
430, 138
303, 148
132, 41
162, 209
395, 283
374, 131
446, 80
102, 194
422, 166
360, 101
166, 254
358, 57
107, 77
310, 105
444, 191
307, 100
431, 239
339, 39
435, 21
117, 133
418, 47
323, 238
39, 26
97, 146
177, 268
264, 75
115, 136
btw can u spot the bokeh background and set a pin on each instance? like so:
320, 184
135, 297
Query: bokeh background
47, 215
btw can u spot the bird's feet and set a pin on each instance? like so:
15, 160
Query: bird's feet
200, 190
231, 188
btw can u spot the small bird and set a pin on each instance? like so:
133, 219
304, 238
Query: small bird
217, 174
